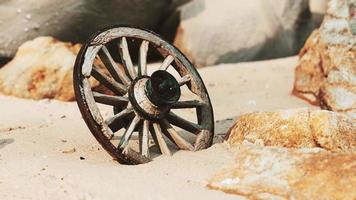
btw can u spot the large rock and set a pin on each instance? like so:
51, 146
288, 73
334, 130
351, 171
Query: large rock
226, 31
42, 68
326, 73
72, 20
318, 6
281, 173
296, 128
317, 10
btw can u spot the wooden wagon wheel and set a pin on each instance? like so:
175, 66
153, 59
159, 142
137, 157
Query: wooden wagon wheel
143, 103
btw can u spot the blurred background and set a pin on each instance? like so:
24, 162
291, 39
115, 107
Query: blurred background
209, 32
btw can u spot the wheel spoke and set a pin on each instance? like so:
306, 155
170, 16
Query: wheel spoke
108, 82
142, 61
184, 80
143, 138
167, 61
187, 104
119, 116
116, 72
177, 139
161, 143
128, 133
110, 100
126, 58
182, 123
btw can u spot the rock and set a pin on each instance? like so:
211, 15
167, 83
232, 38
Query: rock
42, 68
72, 20
318, 6
318, 10
281, 173
212, 32
296, 128
326, 72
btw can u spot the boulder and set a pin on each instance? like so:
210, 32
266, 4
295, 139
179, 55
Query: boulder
318, 6
42, 68
281, 173
326, 72
226, 31
296, 128
72, 20
317, 10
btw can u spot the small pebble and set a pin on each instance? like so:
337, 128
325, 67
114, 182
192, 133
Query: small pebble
82, 158
28, 16
69, 150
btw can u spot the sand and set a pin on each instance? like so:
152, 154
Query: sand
37, 140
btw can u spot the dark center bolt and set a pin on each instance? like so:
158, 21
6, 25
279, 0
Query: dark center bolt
162, 89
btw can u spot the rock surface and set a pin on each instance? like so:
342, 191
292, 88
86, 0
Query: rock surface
296, 128
226, 31
326, 73
281, 173
72, 20
42, 68
318, 6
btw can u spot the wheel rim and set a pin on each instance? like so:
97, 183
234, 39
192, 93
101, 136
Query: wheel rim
138, 106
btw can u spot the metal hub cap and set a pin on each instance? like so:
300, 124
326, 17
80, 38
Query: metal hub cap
152, 97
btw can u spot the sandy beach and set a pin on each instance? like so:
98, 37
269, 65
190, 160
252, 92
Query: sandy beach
47, 151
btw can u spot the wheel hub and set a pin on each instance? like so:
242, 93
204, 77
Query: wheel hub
152, 97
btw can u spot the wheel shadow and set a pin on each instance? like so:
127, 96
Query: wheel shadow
221, 129
4, 142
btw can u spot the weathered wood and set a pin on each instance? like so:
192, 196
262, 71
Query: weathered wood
172, 58
143, 139
133, 155
95, 110
182, 123
126, 58
167, 61
128, 132
184, 80
90, 55
108, 82
187, 104
142, 61
162, 144
203, 140
119, 116
116, 72
177, 139
118, 101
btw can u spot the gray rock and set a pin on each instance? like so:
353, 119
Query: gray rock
72, 20
212, 32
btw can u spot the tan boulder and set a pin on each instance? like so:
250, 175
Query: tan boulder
326, 73
42, 68
296, 128
280, 173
